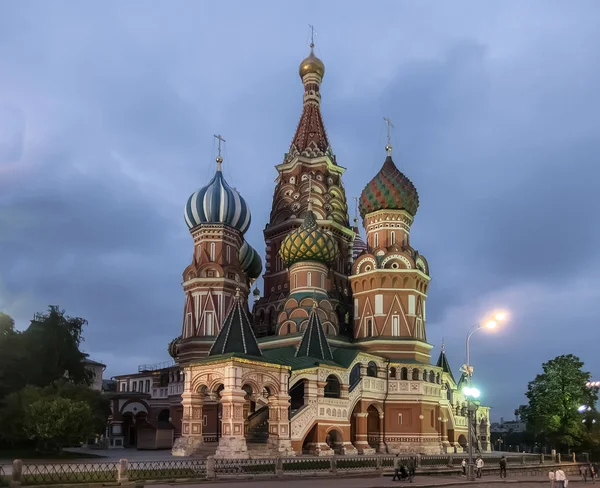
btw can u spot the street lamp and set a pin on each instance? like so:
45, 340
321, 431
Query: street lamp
469, 391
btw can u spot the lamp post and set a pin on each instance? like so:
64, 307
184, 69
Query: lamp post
469, 391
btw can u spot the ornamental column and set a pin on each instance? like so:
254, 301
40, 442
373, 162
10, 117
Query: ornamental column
232, 443
191, 439
360, 435
279, 426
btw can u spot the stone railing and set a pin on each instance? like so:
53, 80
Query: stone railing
123, 471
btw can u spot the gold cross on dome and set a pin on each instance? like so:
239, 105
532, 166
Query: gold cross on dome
220, 139
312, 35
390, 126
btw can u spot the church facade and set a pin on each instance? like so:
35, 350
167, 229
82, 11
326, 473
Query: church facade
333, 356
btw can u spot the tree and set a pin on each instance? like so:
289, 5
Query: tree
59, 422
554, 399
7, 325
53, 339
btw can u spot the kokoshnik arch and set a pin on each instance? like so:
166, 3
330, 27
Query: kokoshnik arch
333, 357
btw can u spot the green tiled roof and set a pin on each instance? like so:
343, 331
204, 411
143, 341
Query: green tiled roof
442, 362
236, 335
314, 343
287, 356
344, 356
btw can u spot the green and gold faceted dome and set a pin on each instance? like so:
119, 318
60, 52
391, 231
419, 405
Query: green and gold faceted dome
308, 243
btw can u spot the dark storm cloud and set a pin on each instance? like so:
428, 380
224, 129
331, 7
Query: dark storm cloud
107, 115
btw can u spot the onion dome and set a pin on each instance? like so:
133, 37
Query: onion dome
308, 243
312, 64
389, 189
217, 203
173, 347
250, 261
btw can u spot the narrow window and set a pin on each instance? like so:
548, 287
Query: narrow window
393, 238
212, 251
399, 419
208, 328
396, 325
134, 386
295, 281
411, 304
309, 279
123, 386
188, 324
228, 254
376, 240
369, 328
356, 308
378, 304
322, 280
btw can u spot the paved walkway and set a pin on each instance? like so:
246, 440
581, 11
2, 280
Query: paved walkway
380, 482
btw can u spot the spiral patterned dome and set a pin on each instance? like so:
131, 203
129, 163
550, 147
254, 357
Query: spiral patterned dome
389, 189
250, 261
308, 243
217, 203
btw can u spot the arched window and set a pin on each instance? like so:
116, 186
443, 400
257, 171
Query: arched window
228, 254
393, 238
164, 416
372, 369
393, 373
415, 374
404, 374
424, 375
431, 377
376, 240
332, 387
437, 378
295, 281
354, 376
369, 328
212, 251
308, 279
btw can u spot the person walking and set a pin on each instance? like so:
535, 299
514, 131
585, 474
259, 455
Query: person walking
396, 468
551, 476
559, 478
503, 467
593, 472
463, 465
583, 471
412, 468
479, 465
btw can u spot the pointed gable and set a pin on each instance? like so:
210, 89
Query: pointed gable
442, 362
314, 343
236, 334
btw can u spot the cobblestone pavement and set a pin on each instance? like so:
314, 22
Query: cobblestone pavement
384, 482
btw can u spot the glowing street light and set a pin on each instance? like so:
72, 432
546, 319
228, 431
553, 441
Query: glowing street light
469, 391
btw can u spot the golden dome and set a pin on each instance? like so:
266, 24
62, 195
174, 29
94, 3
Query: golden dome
312, 64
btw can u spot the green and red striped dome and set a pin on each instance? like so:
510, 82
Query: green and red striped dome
389, 189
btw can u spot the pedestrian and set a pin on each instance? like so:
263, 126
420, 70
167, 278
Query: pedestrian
479, 465
396, 468
583, 473
503, 467
463, 465
412, 468
593, 472
551, 476
560, 479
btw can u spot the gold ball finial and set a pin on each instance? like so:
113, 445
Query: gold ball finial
312, 64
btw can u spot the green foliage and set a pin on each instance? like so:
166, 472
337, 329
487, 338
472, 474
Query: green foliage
59, 421
44, 366
554, 397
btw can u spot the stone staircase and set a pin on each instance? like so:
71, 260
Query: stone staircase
258, 427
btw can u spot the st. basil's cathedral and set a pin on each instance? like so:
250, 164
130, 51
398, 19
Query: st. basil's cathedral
333, 358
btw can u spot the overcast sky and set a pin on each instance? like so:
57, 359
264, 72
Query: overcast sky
107, 116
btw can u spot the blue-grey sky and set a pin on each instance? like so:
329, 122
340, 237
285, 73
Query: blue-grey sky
107, 116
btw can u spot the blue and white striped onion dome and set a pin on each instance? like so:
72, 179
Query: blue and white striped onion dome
250, 261
217, 203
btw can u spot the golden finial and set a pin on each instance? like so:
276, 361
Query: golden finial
312, 64
219, 158
390, 126
237, 292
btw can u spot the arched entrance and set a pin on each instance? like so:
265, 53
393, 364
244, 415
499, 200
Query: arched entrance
297, 393
129, 434
310, 441
256, 413
462, 442
164, 415
335, 441
373, 427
